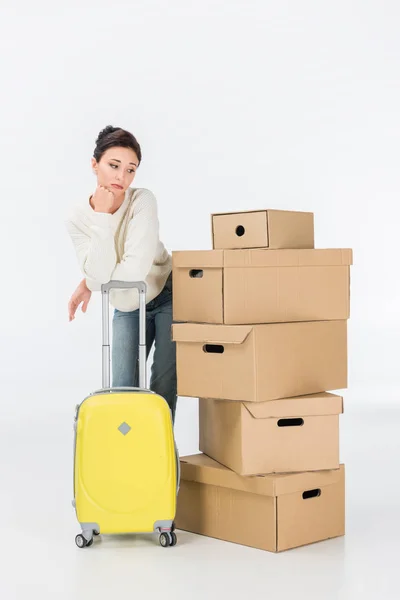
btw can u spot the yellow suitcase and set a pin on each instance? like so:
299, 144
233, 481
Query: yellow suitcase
126, 464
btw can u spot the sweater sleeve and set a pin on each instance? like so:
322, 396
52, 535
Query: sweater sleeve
141, 241
93, 240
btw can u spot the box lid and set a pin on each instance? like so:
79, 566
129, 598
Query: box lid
210, 334
240, 212
265, 257
262, 257
259, 210
197, 258
301, 406
202, 469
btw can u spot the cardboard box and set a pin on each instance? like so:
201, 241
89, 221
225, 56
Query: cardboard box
263, 229
279, 436
261, 286
254, 363
273, 512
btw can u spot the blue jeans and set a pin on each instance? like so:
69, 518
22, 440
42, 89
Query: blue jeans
125, 347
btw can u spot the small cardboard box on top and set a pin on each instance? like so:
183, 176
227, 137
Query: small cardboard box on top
263, 229
261, 286
272, 512
255, 363
277, 436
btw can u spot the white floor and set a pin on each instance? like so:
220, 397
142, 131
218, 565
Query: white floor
39, 556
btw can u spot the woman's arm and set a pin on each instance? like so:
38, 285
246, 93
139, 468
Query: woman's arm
92, 235
93, 238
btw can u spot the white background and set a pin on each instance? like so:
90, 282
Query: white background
237, 105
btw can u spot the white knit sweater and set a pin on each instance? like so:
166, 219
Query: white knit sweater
122, 246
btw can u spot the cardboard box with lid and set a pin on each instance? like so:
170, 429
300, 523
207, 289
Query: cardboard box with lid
256, 363
272, 512
278, 436
261, 286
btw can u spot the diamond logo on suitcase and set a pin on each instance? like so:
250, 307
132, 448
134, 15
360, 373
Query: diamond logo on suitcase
124, 428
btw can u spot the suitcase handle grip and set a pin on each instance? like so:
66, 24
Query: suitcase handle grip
140, 285
105, 291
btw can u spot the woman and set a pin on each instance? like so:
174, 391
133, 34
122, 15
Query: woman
116, 237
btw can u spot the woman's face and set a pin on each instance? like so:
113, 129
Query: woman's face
116, 169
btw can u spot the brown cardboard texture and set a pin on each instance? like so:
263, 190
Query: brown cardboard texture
279, 436
255, 363
261, 286
273, 512
263, 229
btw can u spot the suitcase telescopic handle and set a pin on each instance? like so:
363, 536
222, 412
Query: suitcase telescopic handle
105, 291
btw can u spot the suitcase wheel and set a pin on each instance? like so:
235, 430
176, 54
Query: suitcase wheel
167, 539
81, 541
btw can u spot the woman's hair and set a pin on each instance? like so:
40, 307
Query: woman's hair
110, 137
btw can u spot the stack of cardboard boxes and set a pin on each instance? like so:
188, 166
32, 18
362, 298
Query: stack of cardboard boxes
261, 335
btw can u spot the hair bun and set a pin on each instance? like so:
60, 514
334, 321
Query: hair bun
105, 131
